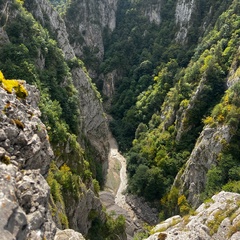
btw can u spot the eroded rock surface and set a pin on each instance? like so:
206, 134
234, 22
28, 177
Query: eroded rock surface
25, 155
94, 123
217, 219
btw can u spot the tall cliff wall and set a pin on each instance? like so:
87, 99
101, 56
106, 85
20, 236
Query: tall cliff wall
86, 22
208, 147
25, 156
93, 121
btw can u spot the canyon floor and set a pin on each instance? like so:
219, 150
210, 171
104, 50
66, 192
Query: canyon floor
114, 194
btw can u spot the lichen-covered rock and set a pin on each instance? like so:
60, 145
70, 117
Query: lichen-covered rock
25, 155
68, 234
24, 136
218, 219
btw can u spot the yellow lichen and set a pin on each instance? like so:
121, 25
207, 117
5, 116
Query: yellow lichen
5, 159
16, 85
19, 124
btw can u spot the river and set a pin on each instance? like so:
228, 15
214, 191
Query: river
114, 198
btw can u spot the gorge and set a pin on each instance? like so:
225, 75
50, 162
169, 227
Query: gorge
100, 92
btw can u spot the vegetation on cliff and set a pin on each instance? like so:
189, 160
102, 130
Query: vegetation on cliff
168, 90
165, 93
30, 53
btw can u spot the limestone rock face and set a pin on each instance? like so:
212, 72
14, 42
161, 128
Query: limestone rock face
93, 121
68, 234
24, 136
24, 193
153, 12
202, 158
206, 151
86, 21
183, 13
25, 155
218, 219
82, 211
48, 17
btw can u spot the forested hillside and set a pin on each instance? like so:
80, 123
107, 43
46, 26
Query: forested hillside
166, 70
168, 89
30, 50
167, 73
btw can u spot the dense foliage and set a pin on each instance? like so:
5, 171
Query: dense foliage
163, 95
166, 92
60, 5
139, 50
29, 53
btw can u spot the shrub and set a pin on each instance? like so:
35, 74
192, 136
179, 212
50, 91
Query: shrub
13, 85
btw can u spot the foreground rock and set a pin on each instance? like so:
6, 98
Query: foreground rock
217, 219
25, 155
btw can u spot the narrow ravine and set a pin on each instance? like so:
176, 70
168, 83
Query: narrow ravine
120, 198
116, 184
114, 198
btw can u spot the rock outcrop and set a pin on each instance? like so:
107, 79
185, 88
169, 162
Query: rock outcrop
209, 145
48, 17
219, 219
183, 14
153, 12
86, 21
25, 155
202, 158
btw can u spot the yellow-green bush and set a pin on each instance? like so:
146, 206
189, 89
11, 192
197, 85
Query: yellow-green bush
13, 85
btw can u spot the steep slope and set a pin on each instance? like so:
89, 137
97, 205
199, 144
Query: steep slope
93, 120
138, 49
75, 120
86, 22
213, 141
170, 69
167, 114
25, 156
217, 219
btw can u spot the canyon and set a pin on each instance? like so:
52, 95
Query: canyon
138, 99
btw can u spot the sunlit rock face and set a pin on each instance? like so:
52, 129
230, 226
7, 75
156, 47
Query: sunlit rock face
216, 219
183, 13
25, 156
86, 21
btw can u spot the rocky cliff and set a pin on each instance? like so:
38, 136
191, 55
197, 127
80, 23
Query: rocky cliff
209, 146
93, 121
86, 22
183, 15
216, 219
92, 124
25, 156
